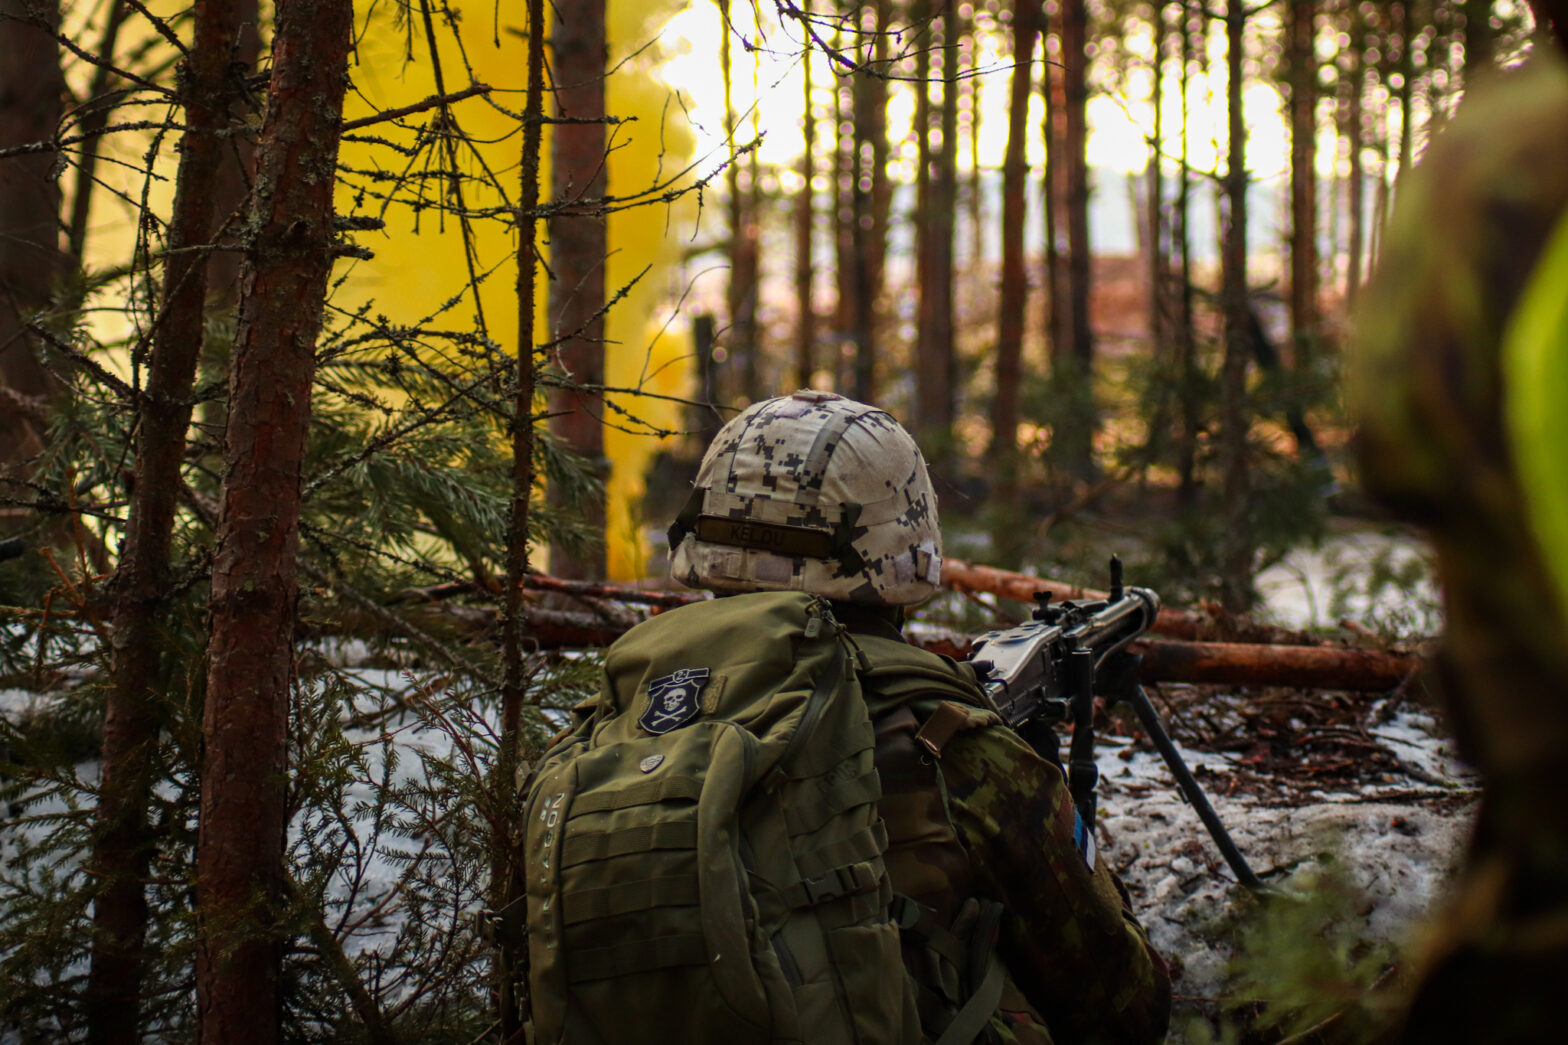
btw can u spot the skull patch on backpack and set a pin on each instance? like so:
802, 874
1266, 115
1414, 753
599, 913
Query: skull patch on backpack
674, 700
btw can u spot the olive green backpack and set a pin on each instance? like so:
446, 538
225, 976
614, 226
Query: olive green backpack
704, 851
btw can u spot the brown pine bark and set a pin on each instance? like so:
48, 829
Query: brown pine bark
1053, 194
123, 845
1185, 334
944, 229
578, 248
1244, 664
507, 872
974, 194
31, 91
841, 206
881, 184
867, 97
1074, 439
1355, 137
1156, 258
936, 367
1182, 646
805, 213
238, 163
927, 391
1014, 299
1236, 591
1301, 31
239, 859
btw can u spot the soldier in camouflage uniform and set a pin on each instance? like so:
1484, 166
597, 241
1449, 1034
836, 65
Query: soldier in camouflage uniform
1464, 318
814, 492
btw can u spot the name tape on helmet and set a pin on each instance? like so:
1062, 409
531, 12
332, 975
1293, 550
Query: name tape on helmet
768, 537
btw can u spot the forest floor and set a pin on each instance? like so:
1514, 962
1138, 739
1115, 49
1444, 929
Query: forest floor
1358, 794
1354, 791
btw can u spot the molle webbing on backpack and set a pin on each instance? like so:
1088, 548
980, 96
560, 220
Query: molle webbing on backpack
723, 876
647, 837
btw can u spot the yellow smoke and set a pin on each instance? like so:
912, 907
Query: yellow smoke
422, 261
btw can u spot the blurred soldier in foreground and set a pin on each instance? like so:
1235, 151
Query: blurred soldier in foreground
1463, 406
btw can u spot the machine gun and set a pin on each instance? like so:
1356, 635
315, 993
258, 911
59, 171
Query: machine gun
1049, 670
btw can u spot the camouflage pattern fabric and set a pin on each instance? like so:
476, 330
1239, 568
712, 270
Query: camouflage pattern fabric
1432, 396
1071, 941
991, 818
812, 492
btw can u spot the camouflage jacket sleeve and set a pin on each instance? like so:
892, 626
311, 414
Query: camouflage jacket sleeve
1070, 940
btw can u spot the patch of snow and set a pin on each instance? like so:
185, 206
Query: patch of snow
18, 703
1397, 845
1349, 575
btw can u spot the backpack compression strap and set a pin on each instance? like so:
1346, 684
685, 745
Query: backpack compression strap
983, 975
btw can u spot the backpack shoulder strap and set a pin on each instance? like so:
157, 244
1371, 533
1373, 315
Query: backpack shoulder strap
943, 693
892, 667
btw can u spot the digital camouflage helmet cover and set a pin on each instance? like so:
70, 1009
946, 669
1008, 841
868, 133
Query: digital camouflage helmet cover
811, 492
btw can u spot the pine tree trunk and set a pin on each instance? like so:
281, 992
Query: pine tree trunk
754, 370
1074, 440
1156, 257
928, 373
805, 213
1381, 195
578, 249
31, 91
1052, 195
881, 184
1301, 33
863, 255
123, 844
943, 401
240, 874
839, 206
1355, 138
1235, 424
507, 873
973, 108
1014, 300
1189, 408
237, 164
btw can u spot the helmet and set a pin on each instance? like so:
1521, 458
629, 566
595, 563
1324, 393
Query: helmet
811, 492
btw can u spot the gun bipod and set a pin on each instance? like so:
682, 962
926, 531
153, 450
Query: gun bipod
1120, 683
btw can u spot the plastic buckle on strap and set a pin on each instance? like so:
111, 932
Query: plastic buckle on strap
824, 887
839, 881
905, 912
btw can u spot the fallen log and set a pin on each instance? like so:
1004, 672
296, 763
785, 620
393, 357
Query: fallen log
1280, 658
1255, 664
1213, 624
1218, 663
1248, 664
